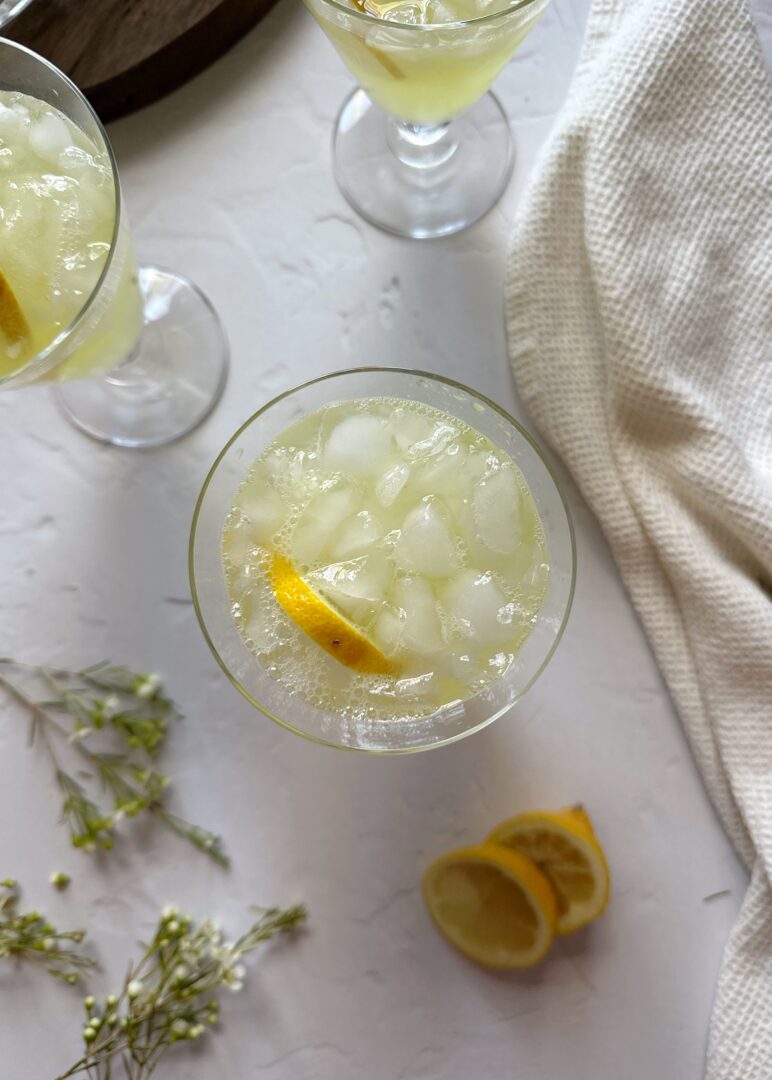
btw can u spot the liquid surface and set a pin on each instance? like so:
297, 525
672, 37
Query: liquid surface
57, 217
433, 12
410, 523
427, 77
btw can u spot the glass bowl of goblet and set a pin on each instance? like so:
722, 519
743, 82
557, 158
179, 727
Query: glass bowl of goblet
238, 613
138, 354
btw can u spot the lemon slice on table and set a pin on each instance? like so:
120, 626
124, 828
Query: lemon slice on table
493, 904
326, 626
13, 325
564, 846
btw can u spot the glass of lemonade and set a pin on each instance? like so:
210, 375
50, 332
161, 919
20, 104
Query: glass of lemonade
382, 560
138, 355
422, 149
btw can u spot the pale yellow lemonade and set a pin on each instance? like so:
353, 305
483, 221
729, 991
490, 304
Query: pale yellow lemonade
426, 77
415, 528
57, 218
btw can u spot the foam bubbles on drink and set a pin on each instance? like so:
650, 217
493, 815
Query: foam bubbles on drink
413, 525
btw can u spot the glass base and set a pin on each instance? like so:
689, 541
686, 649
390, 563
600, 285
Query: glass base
171, 381
422, 181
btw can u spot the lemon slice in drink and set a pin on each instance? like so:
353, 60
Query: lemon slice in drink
493, 904
564, 846
327, 627
379, 11
13, 325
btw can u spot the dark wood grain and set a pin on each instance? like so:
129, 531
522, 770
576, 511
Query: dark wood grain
124, 54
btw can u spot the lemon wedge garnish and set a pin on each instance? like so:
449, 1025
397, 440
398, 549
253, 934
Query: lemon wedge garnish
493, 904
13, 325
379, 11
326, 626
565, 848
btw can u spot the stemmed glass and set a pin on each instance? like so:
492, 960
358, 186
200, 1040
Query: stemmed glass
422, 149
396, 734
145, 359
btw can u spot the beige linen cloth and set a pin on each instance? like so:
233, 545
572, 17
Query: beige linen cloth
639, 308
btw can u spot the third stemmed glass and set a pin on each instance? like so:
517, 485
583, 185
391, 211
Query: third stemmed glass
422, 149
138, 354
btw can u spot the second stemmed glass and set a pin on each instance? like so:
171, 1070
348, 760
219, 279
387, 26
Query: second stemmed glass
145, 359
423, 149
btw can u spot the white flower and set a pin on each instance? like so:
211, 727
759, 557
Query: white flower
181, 972
196, 1030
180, 1027
48, 943
233, 976
135, 988
111, 705
171, 911
210, 931
147, 685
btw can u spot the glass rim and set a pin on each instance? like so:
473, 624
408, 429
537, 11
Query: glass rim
67, 331
518, 5
416, 373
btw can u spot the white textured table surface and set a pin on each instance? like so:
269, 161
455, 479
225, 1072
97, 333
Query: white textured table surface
229, 180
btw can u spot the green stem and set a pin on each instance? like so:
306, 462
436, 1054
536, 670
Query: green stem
148, 798
39, 716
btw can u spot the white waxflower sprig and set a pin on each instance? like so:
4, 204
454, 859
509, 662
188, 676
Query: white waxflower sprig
170, 995
28, 935
119, 720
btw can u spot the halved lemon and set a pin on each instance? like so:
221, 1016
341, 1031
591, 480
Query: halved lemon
493, 904
13, 325
326, 626
564, 846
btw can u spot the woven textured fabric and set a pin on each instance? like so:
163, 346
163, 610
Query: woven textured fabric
639, 309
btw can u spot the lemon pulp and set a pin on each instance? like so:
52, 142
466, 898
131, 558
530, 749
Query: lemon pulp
492, 904
564, 846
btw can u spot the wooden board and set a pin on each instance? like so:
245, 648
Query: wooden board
124, 54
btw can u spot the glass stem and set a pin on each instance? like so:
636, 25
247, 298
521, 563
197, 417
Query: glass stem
132, 373
422, 146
